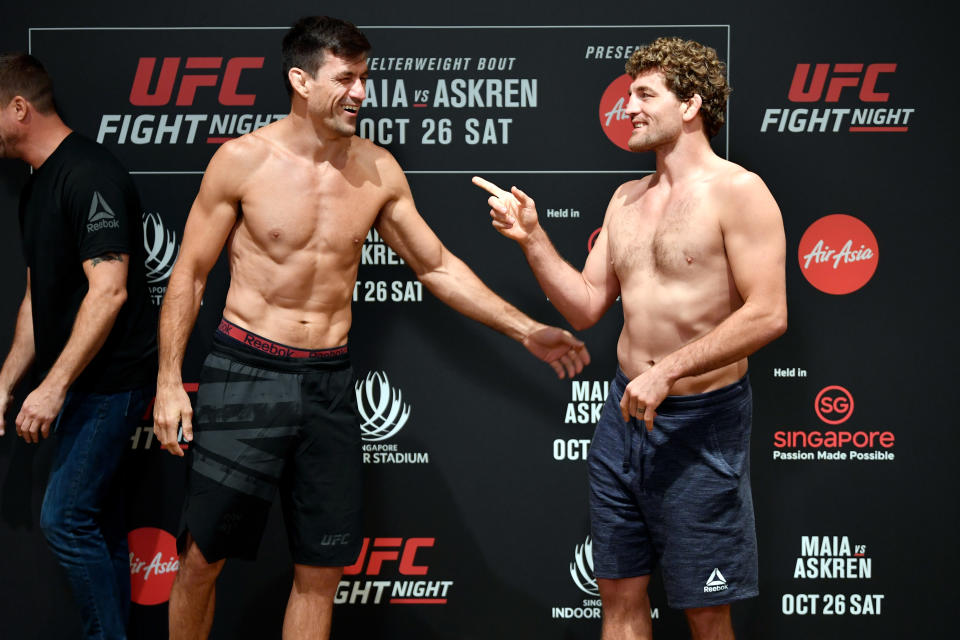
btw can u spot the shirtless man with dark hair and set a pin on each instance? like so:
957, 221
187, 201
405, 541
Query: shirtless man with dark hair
696, 253
294, 201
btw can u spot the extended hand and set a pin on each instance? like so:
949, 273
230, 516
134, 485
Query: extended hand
558, 348
514, 213
172, 407
39, 411
643, 395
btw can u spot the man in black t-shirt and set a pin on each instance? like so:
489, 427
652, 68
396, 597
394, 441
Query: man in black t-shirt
88, 329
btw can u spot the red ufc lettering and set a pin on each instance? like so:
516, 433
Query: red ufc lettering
805, 88
140, 94
386, 549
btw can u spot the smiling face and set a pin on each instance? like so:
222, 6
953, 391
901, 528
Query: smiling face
334, 94
655, 112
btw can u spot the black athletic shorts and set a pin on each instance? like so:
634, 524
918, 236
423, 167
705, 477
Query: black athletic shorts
270, 416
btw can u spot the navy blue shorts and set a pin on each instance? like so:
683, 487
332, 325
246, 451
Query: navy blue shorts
270, 417
678, 497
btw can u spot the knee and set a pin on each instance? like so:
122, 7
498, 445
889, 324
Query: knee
56, 526
317, 580
709, 623
626, 596
194, 568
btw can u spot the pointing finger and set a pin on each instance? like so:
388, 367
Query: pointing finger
488, 186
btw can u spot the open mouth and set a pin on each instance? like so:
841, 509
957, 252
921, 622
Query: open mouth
351, 109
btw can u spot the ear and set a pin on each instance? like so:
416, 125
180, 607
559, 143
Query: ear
21, 108
691, 107
298, 80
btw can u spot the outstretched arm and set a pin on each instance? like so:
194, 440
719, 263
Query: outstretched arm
448, 278
210, 221
581, 296
754, 242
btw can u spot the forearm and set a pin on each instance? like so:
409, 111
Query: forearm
566, 287
454, 284
738, 336
22, 350
95, 318
181, 304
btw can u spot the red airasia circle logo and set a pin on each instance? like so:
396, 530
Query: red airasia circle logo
613, 117
592, 240
834, 404
153, 565
838, 254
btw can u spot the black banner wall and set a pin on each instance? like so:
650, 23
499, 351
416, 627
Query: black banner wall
476, 497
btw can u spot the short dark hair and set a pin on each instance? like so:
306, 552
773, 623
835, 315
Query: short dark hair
689, 67
22, 75
308, 39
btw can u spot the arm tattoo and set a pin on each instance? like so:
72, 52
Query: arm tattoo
106, 257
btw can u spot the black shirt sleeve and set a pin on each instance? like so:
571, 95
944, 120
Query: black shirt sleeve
98, 210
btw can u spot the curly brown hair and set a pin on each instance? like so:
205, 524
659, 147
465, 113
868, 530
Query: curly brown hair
689, 68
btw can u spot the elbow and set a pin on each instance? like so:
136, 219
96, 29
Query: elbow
581, 322
110, 298
777, 322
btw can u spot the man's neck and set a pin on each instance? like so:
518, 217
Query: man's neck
44, 138
687, 156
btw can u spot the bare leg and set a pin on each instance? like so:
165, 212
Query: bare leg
626, 608
311, 602
710, 623
192, 597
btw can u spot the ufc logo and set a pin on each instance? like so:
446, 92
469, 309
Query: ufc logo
191, 80
390, 549
805, 88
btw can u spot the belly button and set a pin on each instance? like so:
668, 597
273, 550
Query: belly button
689, 260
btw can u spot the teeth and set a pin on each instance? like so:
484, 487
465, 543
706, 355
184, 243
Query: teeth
351, 109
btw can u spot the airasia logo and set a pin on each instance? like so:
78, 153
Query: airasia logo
809, 87
191, 80
592, 240
613, 117
838, 254
834, 405
153, 565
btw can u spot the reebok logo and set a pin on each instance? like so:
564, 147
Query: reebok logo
716, 582
101, 216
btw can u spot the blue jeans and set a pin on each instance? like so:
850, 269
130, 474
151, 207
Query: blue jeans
83, 510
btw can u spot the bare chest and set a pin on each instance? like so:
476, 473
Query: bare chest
290, 209
669, 238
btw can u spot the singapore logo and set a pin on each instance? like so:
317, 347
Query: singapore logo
581, 569
161, 247
382, 410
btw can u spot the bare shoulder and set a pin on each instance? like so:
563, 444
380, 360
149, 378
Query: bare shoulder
732, 180
742, 196
379, 165
236, 160
629, 192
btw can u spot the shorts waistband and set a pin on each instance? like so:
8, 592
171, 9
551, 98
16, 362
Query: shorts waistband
256, 350
696, 400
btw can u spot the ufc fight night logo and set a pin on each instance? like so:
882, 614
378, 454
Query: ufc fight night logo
840, 97
204, 93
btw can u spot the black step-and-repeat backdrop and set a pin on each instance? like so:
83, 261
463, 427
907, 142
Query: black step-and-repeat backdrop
476, 494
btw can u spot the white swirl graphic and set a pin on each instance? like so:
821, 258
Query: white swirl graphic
382, 408
161, 246
581, 569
